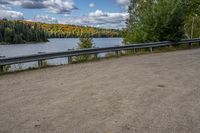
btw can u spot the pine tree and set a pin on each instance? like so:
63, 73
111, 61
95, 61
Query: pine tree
8, 34
17, 39
21, 32
1, 37
85, 43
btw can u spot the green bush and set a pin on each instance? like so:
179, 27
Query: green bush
85, 43
155, 20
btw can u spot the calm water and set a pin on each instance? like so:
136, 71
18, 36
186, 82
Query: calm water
54, 45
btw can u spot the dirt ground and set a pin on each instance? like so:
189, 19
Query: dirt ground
155, 93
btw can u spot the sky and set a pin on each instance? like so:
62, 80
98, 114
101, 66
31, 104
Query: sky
98, 13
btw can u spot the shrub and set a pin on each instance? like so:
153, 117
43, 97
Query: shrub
85, 43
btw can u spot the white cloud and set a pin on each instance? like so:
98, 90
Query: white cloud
4, 7
124, 3
46, 19
11, 15
99, 19
91, 5
54, 6
59, 6
8, 13
98, 13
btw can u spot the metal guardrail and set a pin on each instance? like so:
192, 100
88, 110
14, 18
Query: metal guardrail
46, 56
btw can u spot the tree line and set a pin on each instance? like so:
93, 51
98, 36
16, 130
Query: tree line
24, 31
161, 20
73, 31
17, 32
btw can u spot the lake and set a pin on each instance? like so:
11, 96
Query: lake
54, 45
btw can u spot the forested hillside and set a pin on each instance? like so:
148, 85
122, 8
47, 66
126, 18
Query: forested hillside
74, 31
18, 32
61, 30
25, 31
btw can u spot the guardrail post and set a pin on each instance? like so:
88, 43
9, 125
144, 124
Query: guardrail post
40, 63
190, 44
151, 49
95, 56
69, 60
1, 68
117, 53
199, 43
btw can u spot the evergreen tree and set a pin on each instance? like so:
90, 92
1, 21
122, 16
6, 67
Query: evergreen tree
17, 39
1, 37
85, 43
8, 34
20, 32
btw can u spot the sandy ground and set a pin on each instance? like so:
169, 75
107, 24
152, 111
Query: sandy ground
156, 93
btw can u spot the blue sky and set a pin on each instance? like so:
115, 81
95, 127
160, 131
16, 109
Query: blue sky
99, 13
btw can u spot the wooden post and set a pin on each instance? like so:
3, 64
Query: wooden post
1, 69
69, 60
